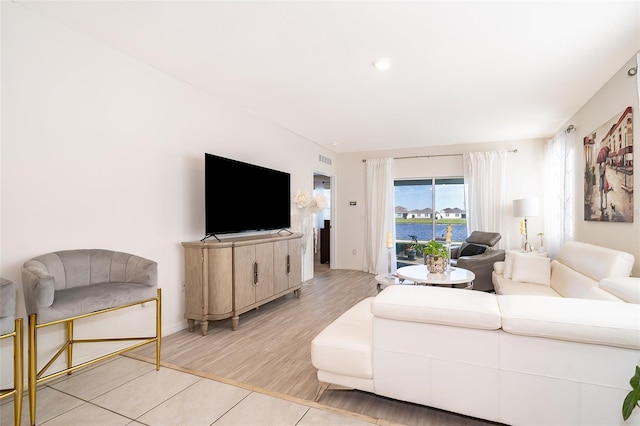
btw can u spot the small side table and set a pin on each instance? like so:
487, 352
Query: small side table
520, 251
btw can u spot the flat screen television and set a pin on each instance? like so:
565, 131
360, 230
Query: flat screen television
241, 197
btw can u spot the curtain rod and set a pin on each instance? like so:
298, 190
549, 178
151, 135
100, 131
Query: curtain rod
435, 155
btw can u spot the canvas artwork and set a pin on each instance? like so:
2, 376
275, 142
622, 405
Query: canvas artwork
608, 170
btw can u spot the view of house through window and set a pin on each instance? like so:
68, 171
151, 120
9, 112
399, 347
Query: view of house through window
425, 207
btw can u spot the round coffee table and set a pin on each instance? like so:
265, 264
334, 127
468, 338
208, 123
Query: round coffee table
453, 277
383, 280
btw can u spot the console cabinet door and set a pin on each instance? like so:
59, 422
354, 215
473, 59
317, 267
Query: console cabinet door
264, 260
207, 282
281, 266
195, 285
243, 275
295, 255
219, 276
287, 264
253, 274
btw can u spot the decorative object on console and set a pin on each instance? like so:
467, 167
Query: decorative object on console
308, 205
525, 207
436, 257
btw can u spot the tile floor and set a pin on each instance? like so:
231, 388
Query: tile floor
125, 391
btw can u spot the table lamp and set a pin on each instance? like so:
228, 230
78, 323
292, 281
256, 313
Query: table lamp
525, 207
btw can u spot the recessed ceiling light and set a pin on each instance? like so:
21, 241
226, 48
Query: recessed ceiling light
382, 64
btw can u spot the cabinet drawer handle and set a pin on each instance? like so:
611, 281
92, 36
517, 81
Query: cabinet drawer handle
288, 263
255, 273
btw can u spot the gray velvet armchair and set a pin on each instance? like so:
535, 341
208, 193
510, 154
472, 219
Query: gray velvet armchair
66, 286
478, 255
11, 328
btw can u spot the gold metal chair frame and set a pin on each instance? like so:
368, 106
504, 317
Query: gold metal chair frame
16, 391
36, 377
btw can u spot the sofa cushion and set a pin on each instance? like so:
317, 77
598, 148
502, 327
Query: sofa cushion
86, 299
508, 287
594, 261
596, 293
529, 268
579, 320
438, 305
626, 288
569, 282
344, 347
472, 250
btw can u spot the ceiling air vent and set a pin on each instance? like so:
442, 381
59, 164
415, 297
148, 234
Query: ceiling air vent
324, 159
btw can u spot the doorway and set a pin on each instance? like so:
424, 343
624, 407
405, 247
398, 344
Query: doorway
322, 226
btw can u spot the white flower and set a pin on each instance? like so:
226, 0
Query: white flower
302, 199
319, 203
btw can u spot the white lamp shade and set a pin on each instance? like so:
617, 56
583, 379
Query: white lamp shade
525, 207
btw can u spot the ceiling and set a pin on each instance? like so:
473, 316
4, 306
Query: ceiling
462, 72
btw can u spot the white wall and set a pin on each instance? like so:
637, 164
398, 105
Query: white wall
523, 169
620, 92
102, 151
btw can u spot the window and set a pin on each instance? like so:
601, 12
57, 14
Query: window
425, 207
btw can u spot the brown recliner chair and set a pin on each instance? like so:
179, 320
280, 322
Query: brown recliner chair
478, 255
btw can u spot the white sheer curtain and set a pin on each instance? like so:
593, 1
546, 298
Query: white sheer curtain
559, 192
379, 216
484, 178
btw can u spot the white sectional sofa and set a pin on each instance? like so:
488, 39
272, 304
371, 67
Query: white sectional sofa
514, 359
582, 270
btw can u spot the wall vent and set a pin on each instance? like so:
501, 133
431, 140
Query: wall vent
324, 159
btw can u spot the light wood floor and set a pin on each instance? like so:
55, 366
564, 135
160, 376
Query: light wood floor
272, 350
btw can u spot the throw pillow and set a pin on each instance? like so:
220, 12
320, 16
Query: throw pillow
530, 268
508, 263
472, 250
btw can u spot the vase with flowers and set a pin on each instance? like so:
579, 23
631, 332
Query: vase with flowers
308, 205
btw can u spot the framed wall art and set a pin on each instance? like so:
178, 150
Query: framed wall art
608, 170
